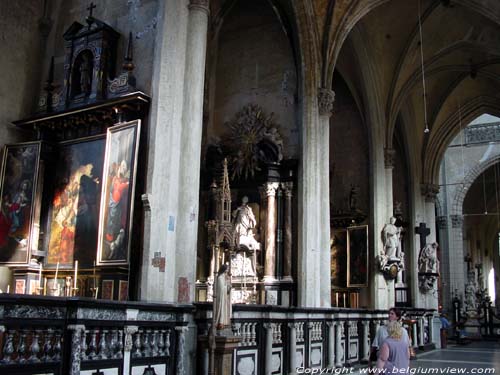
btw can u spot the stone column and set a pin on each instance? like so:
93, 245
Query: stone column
429, 195
270, 260
293, 348
389, 154
326, 98
421, 341
76, 347
338, 344
287, 238
269, 348
164, 145
415, 335
331, 344
192, 125
181, 343
366, 341
129, 332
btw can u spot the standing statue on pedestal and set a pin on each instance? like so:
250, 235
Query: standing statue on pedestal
222, 305
390, 257
391, 237
244, 224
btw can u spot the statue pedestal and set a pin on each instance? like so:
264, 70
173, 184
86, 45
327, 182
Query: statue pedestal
223, 353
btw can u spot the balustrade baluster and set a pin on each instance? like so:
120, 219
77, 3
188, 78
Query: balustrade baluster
146, 347
103, 345
253, 333
35, 347
8, 348
119, 352
83, 349
47, 346
167, 343
154, 343
93, 345
113, 344
137, 345
57, 346
161, 343
21, 347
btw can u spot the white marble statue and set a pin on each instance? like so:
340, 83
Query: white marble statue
428, 261
222, 304
244, 224
391, 237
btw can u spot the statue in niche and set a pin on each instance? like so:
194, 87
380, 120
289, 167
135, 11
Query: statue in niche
470, 293
391, 238
353, 198
428, 261
85, 74
222, 305
244, 224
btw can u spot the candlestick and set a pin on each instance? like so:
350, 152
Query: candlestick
40, 276
8, 288
76, 273
57, 271
94, 276
45, 287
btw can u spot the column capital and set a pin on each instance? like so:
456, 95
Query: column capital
326, 98
365, 323
199, 4
287, 189
442, 222
268, 325
456, 221
331, 324
129, 331
429, 191
389, 154
271, 188
293, 325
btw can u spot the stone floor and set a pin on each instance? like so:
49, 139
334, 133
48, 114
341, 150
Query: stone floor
481, 357
478, 357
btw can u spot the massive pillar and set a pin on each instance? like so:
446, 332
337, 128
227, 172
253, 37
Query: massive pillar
270, 260
192, 124
326, 98
170, 229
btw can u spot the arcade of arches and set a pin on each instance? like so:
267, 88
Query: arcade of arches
319, 110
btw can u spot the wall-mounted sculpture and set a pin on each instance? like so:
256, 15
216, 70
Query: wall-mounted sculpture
428, 268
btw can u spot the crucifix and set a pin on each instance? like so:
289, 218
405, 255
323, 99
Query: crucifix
90, 8
423, 232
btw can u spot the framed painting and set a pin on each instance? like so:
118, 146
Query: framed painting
108, 287
338, 251
123, 290
357, 256
74, 210
18, 193
122, 143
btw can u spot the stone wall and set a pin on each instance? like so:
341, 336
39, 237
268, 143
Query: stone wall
20, 39
254, 64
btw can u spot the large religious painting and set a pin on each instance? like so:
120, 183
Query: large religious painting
18, 189
74, 213
357, 256
122, 144
338, 249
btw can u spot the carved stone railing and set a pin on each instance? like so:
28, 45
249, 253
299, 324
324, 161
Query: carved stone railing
319, 338
71, 336
482, 133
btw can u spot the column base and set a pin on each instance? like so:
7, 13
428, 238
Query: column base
223, 353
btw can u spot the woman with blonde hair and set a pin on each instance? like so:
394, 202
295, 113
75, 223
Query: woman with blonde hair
394, 352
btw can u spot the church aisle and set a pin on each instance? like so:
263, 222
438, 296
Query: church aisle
481, 357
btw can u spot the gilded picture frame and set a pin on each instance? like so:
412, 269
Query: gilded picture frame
357, 256
117, 198
338, 253
18, 205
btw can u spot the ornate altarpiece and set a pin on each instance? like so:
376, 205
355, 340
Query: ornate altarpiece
86, 144
262, 186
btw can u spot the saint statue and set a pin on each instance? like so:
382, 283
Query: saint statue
391, 238
428, 261
222, 302
85, 75
244, 224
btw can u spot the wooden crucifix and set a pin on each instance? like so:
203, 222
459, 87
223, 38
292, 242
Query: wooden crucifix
90, 8
423, 232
